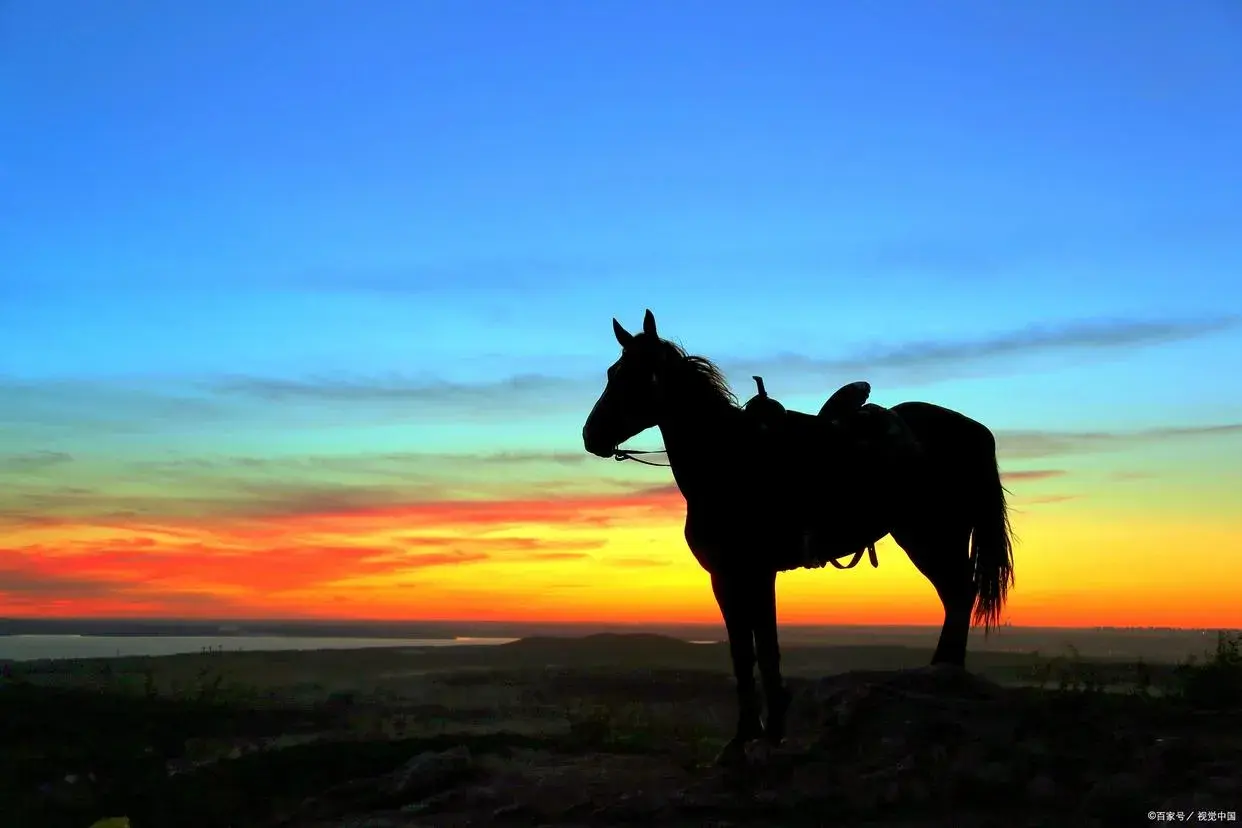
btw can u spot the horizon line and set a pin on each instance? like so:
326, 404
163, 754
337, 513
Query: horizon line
581, 623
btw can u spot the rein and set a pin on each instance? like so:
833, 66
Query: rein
627, 454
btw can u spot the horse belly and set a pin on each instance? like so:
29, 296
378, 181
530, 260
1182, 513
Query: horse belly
840, 518
741, 536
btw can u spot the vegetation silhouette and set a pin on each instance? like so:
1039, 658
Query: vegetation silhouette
769, 490
383, 736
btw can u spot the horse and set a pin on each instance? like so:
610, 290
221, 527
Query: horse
748, 509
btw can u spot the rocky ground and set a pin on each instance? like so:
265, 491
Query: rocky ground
558, 746
920, 747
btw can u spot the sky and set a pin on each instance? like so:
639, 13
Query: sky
303, 306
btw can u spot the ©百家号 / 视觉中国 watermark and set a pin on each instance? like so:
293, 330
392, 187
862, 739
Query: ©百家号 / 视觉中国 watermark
1192, 816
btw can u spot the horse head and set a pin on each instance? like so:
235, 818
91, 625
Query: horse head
630, 402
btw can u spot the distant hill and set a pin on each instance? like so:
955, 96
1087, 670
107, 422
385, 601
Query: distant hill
606, 647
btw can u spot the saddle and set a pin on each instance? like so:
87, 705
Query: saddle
862, 445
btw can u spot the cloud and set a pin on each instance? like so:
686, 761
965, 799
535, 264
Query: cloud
1039, 444
404, 464
391, 390
237, 499
636, 563
540, 392
1132, 475
16, 580
131, 407
139, 565
237, 565
116, 407
939, 357
264, 487
33, 461
191, 563
512, 548
662, 490
1033, 474
1048, 499
422, 561
557, 556
280, 508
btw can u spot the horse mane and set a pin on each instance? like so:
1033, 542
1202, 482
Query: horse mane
701, 374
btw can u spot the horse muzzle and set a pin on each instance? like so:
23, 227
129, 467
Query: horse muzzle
597, 446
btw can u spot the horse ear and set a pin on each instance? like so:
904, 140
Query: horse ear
649, 327
623, 336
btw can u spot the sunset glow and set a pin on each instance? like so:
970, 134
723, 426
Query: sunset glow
302, 316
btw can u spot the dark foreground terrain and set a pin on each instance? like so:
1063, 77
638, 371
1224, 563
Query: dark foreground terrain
612, 730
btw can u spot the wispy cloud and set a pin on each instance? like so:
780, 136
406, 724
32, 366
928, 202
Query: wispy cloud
234, 563
547, 557
240, 499
402, 463
1033, 474
120, 406
940, 358
1125, 476
103, 407
1040, 444
192, 563
911, 360
282, 510
33, 461
1050, 499
40, 487
393, 389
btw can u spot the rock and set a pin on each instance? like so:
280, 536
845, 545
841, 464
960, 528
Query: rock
994, 774
758, 752
375, 821
1041, 789
633, 806
514, 810
437, 802
905, 788
984, 782
431, 772
1120, 789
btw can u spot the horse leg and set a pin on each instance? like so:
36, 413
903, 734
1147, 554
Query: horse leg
768, 652
945, 562
733, 596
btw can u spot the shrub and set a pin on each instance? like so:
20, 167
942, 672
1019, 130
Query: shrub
1216, 683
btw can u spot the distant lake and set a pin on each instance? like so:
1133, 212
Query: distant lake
31, 647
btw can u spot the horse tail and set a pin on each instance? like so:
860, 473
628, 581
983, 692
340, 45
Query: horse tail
991, 543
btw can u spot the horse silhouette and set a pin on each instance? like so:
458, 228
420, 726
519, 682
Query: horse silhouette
769, 490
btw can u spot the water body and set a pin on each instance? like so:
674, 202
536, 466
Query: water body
32, 647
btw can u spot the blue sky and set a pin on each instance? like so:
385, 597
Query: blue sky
1024, 210
303, 304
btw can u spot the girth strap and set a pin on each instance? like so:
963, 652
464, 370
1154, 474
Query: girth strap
870, 550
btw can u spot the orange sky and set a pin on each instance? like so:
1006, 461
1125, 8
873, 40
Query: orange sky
607, 558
